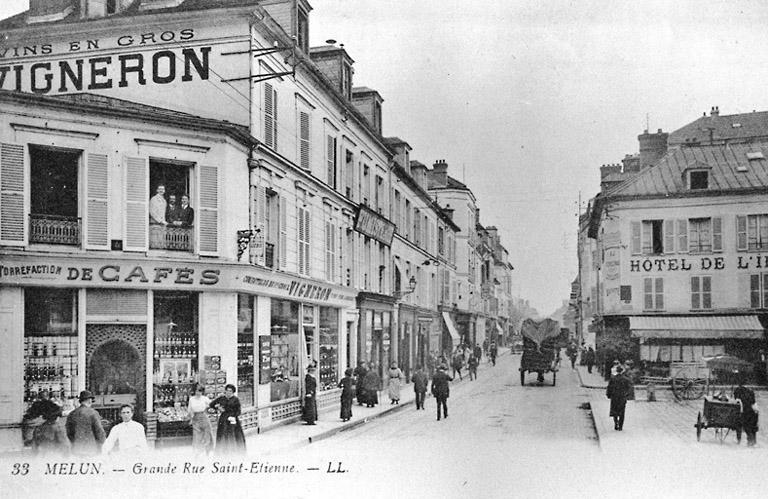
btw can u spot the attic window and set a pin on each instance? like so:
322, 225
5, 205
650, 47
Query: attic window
698, 179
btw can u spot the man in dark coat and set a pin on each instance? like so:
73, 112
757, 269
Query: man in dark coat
360, 372
84, 428
185, 214
589, 359
494, 351
748, 414
420, 382
618, 390
441, 390
309, 414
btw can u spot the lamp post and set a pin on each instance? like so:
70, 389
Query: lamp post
411, 288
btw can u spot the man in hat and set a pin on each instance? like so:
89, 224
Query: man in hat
618, 391
84, 428
441, 390
748, 412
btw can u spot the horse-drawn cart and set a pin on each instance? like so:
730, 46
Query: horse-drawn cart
541, 344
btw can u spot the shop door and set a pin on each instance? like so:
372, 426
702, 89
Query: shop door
116, 368
405, 351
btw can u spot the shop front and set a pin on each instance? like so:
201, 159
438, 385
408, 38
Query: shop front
374, 342
144, 332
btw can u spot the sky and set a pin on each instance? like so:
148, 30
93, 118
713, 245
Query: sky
525, 100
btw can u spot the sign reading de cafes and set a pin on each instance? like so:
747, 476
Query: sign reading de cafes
373, 225
164, 275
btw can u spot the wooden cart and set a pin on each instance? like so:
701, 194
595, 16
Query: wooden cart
720, 415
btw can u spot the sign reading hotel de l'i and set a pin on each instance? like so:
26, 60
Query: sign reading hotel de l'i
696, 263
140, 58
163, 275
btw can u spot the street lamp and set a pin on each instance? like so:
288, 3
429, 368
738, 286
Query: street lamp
411, 288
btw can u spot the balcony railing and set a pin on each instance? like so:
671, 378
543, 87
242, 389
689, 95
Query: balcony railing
269, 255
170, 237
54, 229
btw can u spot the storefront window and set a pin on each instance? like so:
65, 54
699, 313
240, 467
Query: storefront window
50, 345
245, 356
285, 349
329, 348
175, 353
308, 330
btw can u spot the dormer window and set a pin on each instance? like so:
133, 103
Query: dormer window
302, 32
698, 179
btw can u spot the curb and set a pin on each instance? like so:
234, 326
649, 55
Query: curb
359, 422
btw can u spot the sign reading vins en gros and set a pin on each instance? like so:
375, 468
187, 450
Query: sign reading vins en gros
373, 225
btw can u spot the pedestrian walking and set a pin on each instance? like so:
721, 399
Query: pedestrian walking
457, 363
84, 428
493, 352
36, 415
420, 382
347, 385
229, 432
309, 412
572, 353
50, 437
360, 371
618, 391
749, 414
395, 378
472, 366
478, 352
202, 433
589, 359
371, 386
441, 390
128, 436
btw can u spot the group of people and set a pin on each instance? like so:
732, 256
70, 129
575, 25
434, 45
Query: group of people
170, 212
464, 356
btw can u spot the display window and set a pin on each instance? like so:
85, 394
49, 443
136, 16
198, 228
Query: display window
284, 334
175, 359
50, 346
328, 371
245, 349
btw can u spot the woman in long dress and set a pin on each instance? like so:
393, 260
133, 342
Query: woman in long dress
347, 385
229, 432
309, 412
202, 433
395, 378
371, 386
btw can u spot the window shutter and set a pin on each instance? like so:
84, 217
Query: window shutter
749, 290
283, 234
261, 224
695, 293
659, 292
270, 116
694, 244
669, 236
741, 233
97, 211
304, 140
307, 239
208, 227
330, 250
331, 159
303, 240
717, 234
682, 236
706, 292
635, 228
647, 238
136, 204
12, 183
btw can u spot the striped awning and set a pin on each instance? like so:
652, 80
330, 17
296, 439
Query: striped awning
744, 327
451, 327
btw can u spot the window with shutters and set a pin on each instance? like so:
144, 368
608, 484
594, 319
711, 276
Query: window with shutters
407, 225
271, 228
653, 293
270, 116
330, 159
752, 232
171, 215
758, 290
349, 168
440, 241
379, 195
701, 292
330, 251
396, 212
365, 186
349, 257
304, 240
416, 226
705, 235
304, 135
54, 216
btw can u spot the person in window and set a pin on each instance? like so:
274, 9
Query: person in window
185, 214
229, 432
157, 207
171, 211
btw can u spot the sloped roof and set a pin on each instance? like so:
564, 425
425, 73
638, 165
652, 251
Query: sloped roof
667, 176
732, 128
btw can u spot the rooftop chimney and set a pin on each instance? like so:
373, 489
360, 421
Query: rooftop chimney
438, 175
652, 147
715, 111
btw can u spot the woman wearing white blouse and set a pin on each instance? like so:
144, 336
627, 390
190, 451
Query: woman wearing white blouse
202, 436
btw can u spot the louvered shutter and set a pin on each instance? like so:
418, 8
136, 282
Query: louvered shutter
647, 238
283, 231
669, 236
330, 253
635, 229
12, 183
260, 230
741, 233
270, 116
682, 236
136, 204
208, 224
304, 140
307, 238
331, 159
300, 238
717, 234
97, 210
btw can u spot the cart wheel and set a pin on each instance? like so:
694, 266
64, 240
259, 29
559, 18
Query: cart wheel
522, 378
686, 387
554, 378
699, 426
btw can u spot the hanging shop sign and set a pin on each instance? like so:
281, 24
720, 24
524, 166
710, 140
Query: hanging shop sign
265, 360
373, 225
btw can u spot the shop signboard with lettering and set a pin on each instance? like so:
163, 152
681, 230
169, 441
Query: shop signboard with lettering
373, 225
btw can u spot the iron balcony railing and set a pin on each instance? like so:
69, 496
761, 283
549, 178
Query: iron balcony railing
54, 229
170, 237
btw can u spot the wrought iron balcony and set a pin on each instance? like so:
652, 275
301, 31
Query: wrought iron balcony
171, 237
269, 255
54, 229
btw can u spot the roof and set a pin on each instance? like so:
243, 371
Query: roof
20, 20
700, 327
731, 128
730, 170
393, 141
86, 103
455, 184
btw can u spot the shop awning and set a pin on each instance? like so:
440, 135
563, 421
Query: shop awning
743, 327
451, 327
